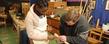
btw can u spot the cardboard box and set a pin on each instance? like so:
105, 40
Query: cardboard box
57, 4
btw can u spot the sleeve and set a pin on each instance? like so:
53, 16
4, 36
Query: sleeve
83, 25
83, 28
62, 26
70, 39
76, 40
29, 28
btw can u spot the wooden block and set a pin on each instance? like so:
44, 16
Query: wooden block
93, 41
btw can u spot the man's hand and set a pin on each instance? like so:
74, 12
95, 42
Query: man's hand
63, 38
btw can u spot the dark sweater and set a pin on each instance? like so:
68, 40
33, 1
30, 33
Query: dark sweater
73, 32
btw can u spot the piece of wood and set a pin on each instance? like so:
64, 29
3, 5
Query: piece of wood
81, 6
89, 19
97, 24
56, 35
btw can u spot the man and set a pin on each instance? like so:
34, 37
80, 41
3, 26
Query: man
73, 28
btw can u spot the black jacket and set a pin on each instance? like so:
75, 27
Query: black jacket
73, 32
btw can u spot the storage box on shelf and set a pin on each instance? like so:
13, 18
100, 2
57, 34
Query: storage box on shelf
57, 4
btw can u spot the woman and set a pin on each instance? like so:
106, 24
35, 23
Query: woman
36, 22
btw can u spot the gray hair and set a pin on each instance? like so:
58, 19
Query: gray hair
72, 15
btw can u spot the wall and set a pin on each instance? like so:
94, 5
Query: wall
105, 17
100, 12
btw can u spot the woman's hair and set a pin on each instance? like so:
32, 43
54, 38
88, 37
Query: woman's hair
39, 5
72, 15
42, 3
